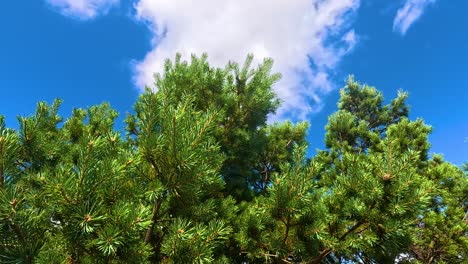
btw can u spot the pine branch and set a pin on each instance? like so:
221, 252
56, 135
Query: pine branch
356, 226
2, 179
203, 130
326, 252
17, 230
320, 257
64, 195
154, 219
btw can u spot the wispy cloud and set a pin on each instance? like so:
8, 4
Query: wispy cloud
82, 9
409, 13
306, 38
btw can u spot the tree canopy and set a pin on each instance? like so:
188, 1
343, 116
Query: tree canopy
199, 176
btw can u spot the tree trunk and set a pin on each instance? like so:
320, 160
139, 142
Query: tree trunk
320, 257
154, 219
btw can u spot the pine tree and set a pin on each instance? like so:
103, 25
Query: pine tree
440, 232
23, 155
179, 163
357, 198
366, 127
243, 98
199, 177
82, 193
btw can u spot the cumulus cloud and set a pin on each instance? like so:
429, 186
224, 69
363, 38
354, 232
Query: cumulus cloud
82, 9
409, 13
306, 38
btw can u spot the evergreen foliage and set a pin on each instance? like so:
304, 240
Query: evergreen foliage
200, 177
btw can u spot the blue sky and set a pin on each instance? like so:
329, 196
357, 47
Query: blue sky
90, 51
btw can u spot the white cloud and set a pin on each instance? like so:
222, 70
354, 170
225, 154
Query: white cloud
409, 13
83, 9
351, 39
306, 38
